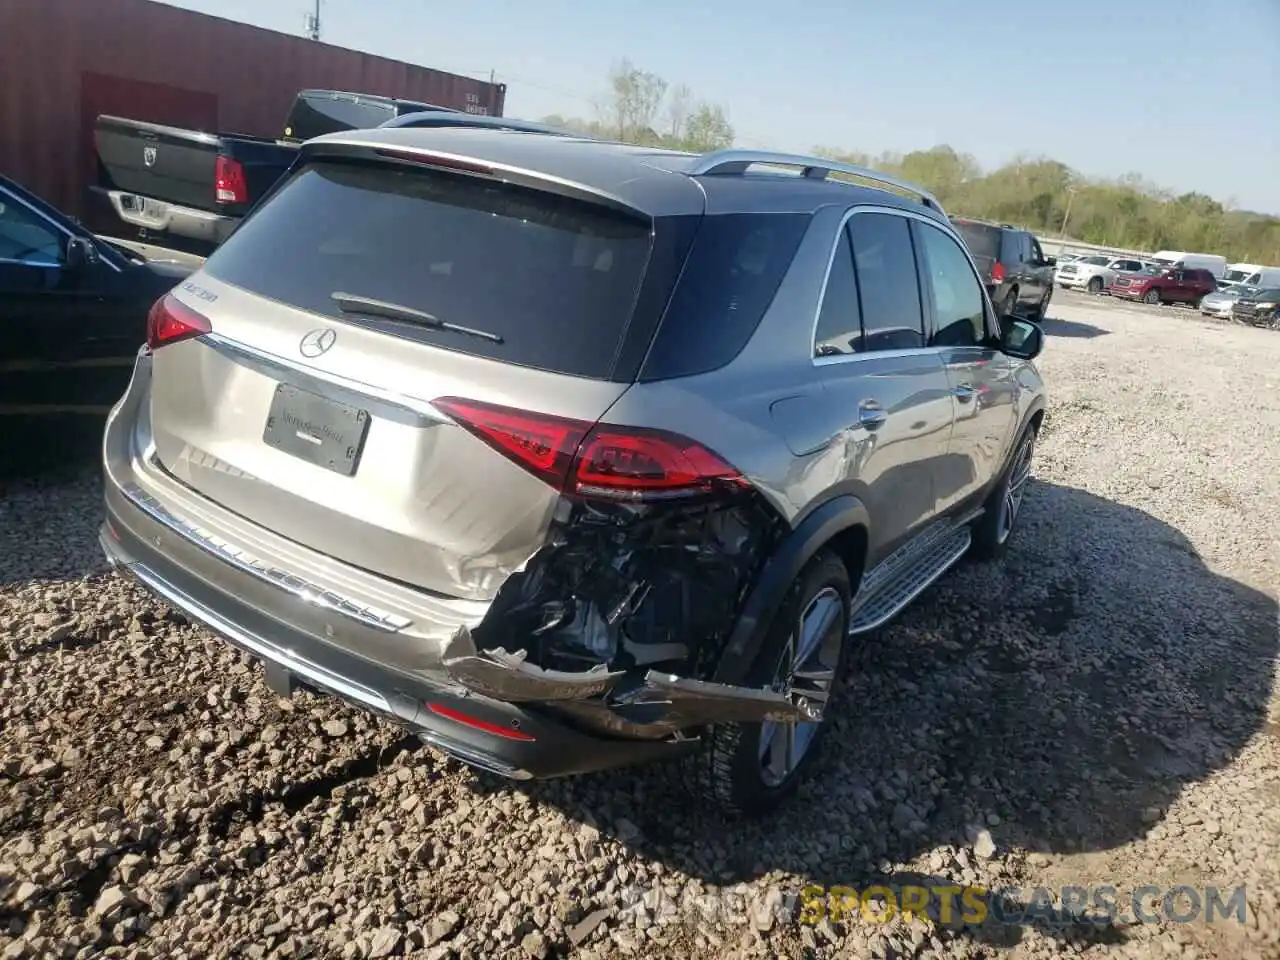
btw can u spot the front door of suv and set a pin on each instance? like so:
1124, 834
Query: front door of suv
886, 391
980, 377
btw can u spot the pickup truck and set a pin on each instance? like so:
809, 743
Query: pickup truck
196, 185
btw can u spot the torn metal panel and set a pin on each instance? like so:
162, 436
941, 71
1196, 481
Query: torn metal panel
510, 677
683, 702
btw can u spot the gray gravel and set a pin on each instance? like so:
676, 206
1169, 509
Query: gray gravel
1099, 708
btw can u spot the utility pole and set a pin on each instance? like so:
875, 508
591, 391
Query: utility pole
1071, 195
313, 23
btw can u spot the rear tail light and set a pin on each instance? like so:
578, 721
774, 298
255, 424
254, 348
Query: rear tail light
170, 321
596, 460
997, 272
229, 181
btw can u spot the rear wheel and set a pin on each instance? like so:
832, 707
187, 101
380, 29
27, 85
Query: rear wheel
750, 768
1043, 306
1151, 296
1095, 284
1009, 305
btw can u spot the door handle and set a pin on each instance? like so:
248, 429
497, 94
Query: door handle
871, 414
964, 392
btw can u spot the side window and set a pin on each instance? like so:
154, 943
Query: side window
25, 238
957, 296
839, 321
1037, 255
888, 286
1011, 247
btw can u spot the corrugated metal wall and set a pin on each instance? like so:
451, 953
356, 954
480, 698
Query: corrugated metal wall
62, 62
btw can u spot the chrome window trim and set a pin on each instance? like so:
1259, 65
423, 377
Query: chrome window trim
946, 229
53, 223
826, 277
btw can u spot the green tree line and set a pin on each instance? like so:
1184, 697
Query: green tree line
1032, 192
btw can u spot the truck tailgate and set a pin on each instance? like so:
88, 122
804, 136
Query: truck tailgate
166, 163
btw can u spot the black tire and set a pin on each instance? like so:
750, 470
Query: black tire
727, 772
990, 535
1009, 305
1095, 285
1042, 307
1151, 296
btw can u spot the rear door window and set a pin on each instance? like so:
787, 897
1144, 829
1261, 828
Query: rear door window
888, 285
555, 279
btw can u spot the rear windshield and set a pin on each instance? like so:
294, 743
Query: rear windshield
555, 278
314, 116
981, 239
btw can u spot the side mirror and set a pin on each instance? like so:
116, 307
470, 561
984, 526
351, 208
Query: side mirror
79, 254
1050, 261
1020, 338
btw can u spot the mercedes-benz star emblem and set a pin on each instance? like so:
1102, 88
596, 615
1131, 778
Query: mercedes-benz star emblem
317, 342
149, 153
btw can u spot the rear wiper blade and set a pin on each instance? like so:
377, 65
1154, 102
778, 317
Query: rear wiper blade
351, 303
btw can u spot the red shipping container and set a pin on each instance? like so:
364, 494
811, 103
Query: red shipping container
63, 62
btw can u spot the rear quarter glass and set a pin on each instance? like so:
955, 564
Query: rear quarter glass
981, 239
556, 279
729, 280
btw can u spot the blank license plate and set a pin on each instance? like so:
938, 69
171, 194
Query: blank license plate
316, 429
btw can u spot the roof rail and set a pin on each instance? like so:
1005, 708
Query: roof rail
444, 118
734, 161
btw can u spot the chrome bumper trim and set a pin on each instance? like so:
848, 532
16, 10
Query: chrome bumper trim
242, 560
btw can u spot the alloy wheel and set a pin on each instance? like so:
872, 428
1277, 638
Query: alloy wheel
1015, 487
807, 666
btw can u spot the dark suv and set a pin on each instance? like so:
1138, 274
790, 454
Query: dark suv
1174, 285
1018, 276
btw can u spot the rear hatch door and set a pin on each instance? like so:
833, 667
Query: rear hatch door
313, 416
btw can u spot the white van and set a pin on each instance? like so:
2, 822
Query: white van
1253, 275
1196, 261
1240, 272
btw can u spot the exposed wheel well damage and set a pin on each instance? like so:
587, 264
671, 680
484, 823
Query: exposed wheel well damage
625, 618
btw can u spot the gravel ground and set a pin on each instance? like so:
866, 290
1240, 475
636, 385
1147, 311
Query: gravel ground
1100, 708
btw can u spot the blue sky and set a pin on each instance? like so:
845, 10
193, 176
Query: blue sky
1187, 94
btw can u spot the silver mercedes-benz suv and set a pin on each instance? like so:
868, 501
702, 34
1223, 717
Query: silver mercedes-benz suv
568, 454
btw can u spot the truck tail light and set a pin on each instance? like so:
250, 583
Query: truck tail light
170, 321
997, 272
229, 181
596, 460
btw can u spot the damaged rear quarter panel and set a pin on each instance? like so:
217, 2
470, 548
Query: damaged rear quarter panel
624, 593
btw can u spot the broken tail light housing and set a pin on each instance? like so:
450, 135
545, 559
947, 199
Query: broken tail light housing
598, 460
171, 321
229, 183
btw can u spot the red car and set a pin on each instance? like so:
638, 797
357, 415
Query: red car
1172, 285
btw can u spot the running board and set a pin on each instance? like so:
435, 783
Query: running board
891, 595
